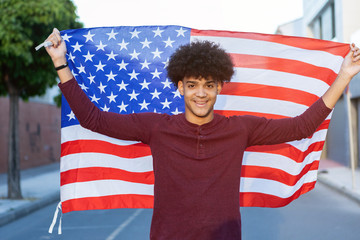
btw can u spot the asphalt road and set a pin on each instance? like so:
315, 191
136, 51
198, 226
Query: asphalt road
322, 214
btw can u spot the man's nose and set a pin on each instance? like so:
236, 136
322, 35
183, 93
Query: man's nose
201, 92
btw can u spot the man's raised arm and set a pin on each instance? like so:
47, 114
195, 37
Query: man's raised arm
349, 68
57, 53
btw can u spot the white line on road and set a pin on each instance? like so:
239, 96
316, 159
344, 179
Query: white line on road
124, 225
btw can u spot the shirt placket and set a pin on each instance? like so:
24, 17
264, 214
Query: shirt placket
200, 143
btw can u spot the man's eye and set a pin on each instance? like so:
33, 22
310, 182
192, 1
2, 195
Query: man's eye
210, 86
191, 85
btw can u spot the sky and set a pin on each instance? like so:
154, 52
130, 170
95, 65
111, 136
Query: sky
262, 16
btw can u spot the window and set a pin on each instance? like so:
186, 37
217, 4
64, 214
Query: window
323, 26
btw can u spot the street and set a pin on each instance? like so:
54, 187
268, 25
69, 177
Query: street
322, 214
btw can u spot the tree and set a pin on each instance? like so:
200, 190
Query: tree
23, 71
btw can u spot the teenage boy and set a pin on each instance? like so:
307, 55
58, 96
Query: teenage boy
197, 156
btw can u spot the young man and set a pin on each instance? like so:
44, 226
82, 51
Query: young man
197, 156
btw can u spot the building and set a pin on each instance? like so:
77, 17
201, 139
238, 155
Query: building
39, 129
335, 20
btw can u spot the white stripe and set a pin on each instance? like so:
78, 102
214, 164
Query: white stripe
85, 160
304, 144
76, 132
103, 188
276, 50
263, 105
278, 161
280, 79
275, 188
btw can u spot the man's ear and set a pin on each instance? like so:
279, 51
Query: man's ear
219, 87
181, 87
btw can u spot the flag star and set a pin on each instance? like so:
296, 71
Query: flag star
71, 115
89, 37
156, 74
146, 43
145, 64
73, 73
71, 57
122, 65
135, 33
77, 47
166, 104
176, 112
166, 83
168, 43
122, 85
122, 106
166, 63
144, 105
102, 87
81, 68
133, 75
112, 34
123, 45
95, 99
100, 66
91, 78
105, 108
157, 53
83, 87
66, 37
158, 32
111, 55
111, 76
88, 56
181, 32
133, 95
177, 93
134, 55
100, 46
111, 97
145, 85
155, 94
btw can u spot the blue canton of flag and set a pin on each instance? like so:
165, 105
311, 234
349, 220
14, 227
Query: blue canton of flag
123, 69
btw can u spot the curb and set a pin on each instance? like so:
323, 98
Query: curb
339, 188
28, 208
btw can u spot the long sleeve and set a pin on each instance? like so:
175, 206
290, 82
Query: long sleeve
273, 131
136, 127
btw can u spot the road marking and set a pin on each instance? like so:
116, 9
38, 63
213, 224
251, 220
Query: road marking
124, 225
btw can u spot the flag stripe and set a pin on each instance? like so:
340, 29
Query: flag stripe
275, 50
261, 91
272, 201
298, 42
108, 202
284, 65
276, 79
102, 173
132, 151
88, 160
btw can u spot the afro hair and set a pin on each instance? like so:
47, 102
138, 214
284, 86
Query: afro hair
200, 59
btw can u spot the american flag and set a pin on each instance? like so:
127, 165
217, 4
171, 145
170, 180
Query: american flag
123, 70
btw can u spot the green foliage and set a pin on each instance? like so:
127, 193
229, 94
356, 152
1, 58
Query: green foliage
23, 25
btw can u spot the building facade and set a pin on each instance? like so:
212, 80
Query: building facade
335, 20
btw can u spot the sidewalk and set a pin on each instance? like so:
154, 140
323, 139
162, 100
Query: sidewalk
41, 186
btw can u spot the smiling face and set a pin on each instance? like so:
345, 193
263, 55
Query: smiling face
199, 96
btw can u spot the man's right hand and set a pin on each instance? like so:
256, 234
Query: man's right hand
57, 51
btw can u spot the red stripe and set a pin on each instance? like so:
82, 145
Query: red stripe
272, 92
103, 173
254, 199
339, 49
229, 113
284, 65
80, 146
277, 174
287, 150
108, 202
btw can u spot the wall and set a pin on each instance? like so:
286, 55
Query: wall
39, 127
